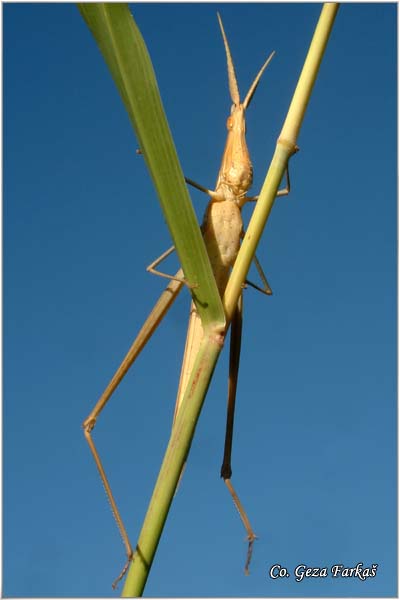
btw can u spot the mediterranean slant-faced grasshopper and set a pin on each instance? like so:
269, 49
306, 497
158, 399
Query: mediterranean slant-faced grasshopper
222, 229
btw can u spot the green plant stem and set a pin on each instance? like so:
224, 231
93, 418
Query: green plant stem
211, 346
171, 468
285, 148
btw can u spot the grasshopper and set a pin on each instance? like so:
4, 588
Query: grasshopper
222, 230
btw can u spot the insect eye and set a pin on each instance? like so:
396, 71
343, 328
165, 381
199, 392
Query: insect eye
229, 123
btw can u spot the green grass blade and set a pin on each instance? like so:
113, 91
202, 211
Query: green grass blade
125, 53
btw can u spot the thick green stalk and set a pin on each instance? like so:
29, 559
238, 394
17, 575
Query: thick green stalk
286, 146
183, 430
171, 468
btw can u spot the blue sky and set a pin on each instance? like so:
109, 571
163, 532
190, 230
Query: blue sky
314, 455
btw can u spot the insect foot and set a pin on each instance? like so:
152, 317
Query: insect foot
251, 539
115, 583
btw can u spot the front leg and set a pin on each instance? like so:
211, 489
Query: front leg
177, 277
283, 192
286, 190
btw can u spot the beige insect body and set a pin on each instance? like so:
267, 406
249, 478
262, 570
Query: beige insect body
222, 230
222, 225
